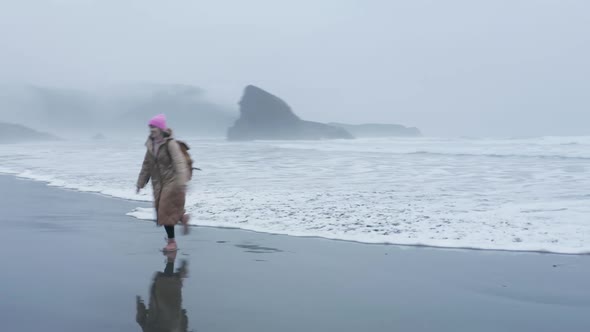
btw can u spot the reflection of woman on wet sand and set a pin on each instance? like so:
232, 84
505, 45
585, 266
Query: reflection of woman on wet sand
165, 313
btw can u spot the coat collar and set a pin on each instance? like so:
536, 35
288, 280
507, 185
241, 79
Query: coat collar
150, 142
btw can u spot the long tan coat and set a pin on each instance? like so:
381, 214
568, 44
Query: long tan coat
169, 173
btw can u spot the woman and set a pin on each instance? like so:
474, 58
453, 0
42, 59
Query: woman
165, 164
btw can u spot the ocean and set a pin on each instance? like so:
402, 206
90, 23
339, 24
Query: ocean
500, 194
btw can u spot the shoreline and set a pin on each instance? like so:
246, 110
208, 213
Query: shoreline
401, 246
144, 202
80, 265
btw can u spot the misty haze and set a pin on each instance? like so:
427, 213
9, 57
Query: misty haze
311, 165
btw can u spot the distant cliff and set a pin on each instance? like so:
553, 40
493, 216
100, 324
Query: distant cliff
264, 116
379, 130
14, 133
115, 111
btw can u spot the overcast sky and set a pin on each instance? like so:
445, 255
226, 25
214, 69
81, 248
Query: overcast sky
450, 67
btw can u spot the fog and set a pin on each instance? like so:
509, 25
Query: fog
450, 68
115, 111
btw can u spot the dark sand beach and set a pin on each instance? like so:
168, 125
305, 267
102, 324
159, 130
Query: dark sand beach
74, 262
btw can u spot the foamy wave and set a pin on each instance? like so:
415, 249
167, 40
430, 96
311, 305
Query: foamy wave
488, 234
54, 181
143, 214
542, 148
339, 191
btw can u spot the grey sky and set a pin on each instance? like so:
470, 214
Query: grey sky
496, 67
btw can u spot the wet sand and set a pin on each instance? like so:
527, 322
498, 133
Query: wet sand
74, 262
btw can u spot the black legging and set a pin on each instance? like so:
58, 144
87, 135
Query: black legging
169, 231
169, 270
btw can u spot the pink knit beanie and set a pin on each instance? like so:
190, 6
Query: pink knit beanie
159, 121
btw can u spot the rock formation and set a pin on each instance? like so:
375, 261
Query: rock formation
379, 130
14, 133
264, 116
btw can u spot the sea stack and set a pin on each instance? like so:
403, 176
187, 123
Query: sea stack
264, 116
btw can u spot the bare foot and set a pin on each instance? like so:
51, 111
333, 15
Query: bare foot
171, 247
